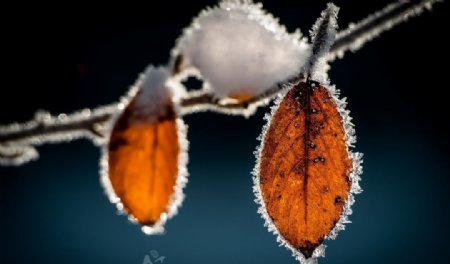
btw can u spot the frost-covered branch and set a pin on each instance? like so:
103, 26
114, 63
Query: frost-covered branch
208, 102
18, 141
358, 34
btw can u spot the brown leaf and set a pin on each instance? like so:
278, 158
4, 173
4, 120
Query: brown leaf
143, 158
305, 167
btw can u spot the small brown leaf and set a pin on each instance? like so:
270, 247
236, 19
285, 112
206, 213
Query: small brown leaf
143, 163
304, 170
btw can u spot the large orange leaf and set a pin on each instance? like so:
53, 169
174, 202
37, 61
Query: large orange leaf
304, 167
143, 164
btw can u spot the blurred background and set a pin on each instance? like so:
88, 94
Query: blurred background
74, 55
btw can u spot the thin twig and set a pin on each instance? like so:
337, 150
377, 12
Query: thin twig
17, 141
356, 35
58, 124
207, 102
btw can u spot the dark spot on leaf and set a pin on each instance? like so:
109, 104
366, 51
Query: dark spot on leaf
338, 200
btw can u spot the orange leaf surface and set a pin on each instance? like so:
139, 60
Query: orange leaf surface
305, 167
143, 158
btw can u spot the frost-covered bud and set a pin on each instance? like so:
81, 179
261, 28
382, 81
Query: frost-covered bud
240, 50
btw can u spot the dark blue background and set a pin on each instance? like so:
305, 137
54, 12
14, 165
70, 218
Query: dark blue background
54, 210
